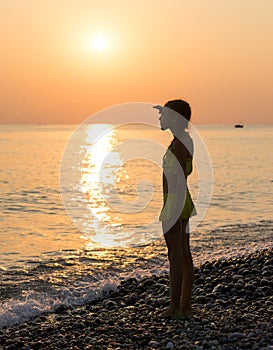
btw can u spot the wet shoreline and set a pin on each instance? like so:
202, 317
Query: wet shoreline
232, 303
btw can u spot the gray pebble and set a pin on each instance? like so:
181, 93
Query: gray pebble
154, 344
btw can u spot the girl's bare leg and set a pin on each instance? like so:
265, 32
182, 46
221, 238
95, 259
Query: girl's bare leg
181, 270
187, 282
173, 240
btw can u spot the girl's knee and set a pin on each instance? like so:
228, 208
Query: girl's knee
175, 257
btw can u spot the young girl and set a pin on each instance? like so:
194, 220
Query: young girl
178, 205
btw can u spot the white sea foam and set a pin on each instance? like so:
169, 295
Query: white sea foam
32, 304
15, 311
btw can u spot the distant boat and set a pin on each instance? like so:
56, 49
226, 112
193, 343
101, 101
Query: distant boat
238, 125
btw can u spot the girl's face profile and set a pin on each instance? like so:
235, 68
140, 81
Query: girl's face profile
165, 119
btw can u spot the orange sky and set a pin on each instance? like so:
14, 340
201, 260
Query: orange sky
217, 54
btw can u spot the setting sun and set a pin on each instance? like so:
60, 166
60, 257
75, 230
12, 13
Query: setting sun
99, 42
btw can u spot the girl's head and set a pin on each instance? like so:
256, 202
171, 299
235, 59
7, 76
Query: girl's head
175, 121
180, 106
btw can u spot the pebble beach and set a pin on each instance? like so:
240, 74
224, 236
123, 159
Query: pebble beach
232, 304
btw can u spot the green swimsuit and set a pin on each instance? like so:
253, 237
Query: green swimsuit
170, 167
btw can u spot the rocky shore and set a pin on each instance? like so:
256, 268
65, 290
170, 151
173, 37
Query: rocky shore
232, 303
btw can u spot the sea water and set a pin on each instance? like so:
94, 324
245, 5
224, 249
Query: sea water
46, 260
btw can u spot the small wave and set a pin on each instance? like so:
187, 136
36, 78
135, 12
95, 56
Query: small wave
32, 304
15, 311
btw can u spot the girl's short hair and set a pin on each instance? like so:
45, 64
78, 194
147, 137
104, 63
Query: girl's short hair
180, 106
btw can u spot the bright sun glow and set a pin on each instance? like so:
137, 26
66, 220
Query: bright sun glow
99, 42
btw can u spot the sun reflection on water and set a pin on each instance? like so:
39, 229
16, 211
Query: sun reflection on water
116, 187
98, 178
